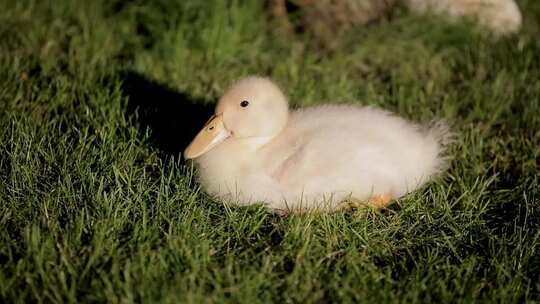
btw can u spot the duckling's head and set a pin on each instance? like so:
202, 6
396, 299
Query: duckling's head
254, 107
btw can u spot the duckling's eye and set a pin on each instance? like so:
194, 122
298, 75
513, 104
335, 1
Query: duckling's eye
244, 103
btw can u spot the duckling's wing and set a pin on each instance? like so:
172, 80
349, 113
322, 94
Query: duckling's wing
289, 164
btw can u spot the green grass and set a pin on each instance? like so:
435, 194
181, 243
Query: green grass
97, 99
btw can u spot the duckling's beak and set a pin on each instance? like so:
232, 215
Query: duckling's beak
212, 134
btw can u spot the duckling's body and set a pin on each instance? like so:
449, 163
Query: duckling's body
322, 156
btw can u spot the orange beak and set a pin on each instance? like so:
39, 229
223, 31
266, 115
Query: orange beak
211, 135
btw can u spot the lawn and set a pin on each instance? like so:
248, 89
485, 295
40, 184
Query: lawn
99, 98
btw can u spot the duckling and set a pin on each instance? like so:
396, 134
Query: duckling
254, 150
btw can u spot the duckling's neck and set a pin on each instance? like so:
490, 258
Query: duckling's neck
232, 159
234, 153
253, 144
244, 150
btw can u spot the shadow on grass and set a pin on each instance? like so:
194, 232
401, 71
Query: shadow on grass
172, 117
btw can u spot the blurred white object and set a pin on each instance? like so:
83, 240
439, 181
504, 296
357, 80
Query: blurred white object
326, 18
500, 16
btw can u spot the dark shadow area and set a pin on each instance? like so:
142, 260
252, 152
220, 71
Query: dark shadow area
172, 117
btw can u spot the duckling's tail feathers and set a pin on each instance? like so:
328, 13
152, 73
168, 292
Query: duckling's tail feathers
441, 136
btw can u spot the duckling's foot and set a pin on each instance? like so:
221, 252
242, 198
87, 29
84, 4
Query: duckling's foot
377, 202
380, 201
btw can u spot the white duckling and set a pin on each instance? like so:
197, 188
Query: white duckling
253, 150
